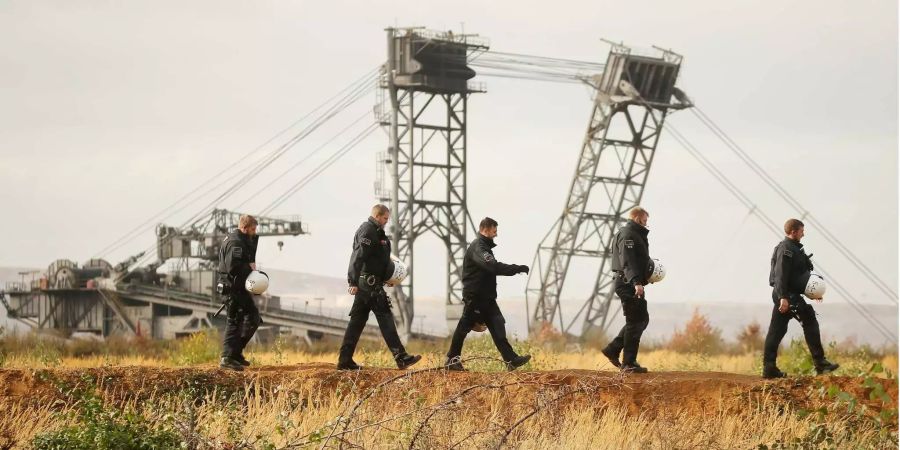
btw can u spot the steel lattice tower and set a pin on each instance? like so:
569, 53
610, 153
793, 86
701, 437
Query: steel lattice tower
633, 96
423, 174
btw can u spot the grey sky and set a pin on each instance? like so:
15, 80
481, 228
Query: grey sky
111, 110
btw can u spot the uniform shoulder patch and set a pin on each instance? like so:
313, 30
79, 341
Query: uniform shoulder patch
629, 243
788, 253
488, 256
238, 251
366, 241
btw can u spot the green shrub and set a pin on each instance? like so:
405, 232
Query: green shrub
103, 428
199, 348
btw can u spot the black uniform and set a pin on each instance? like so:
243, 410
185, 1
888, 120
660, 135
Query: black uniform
370, 267
790, 271
631, 262
238, 251
480, 270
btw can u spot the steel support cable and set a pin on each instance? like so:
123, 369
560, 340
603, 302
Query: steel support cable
321, 168
294, 141
527, 72
143, 226
279, 152
261, 165
793, 202
527, 78
527, 69
490, 56
523, 65
508, 55
362, 87
744, 199
305, 158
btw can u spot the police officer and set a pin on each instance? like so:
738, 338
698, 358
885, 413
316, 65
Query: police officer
790, 269
480, 270
631, 264
370, 267
237, 258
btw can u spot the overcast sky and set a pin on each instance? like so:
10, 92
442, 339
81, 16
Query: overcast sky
110, 111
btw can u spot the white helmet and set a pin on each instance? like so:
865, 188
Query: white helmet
657, 271
815, 287
257, 282
399, 274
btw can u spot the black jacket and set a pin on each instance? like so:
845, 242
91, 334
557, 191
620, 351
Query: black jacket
631, 253
371, 253
238, 250
480, 270
790, 268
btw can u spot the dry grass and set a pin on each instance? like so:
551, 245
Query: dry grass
440, 411
408, 412
657, 360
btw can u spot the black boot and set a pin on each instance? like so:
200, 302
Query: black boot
242, 360
405, 360
612, 357
348, 364
230, 363
825, 366
633, 368
454, 364
517, 362
770, 370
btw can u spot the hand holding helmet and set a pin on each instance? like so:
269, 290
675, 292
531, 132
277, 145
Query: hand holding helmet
657, 271
399, 273
815, 287
257, 282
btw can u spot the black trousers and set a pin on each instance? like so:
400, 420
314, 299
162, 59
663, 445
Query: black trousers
806, 315
243, 320
476, 311
363, 303
636, 320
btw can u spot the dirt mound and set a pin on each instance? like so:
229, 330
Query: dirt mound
647, 394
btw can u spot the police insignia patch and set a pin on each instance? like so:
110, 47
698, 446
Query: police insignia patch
629, 243
788, 253
488, 257
366, 241
238, 252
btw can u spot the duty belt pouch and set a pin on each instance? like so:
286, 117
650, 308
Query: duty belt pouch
369, 283
223, 284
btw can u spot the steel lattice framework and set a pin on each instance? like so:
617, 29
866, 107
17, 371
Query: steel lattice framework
629, 110
425, 165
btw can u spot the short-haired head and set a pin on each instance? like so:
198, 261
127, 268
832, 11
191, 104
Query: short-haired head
380, 210
792, 225
246, 221
487, 223
488, 228
638, 212
381, 214
247, 224
639, 216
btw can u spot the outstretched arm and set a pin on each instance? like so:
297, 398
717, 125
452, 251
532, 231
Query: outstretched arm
485, 260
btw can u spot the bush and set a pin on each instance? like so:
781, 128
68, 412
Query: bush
199, 348
698, 336
750, 339
99, 427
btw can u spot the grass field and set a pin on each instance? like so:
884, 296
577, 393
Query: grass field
144, 394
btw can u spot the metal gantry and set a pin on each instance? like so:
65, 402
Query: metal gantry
633, 96
423, 172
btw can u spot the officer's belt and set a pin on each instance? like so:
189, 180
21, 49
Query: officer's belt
370, 280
